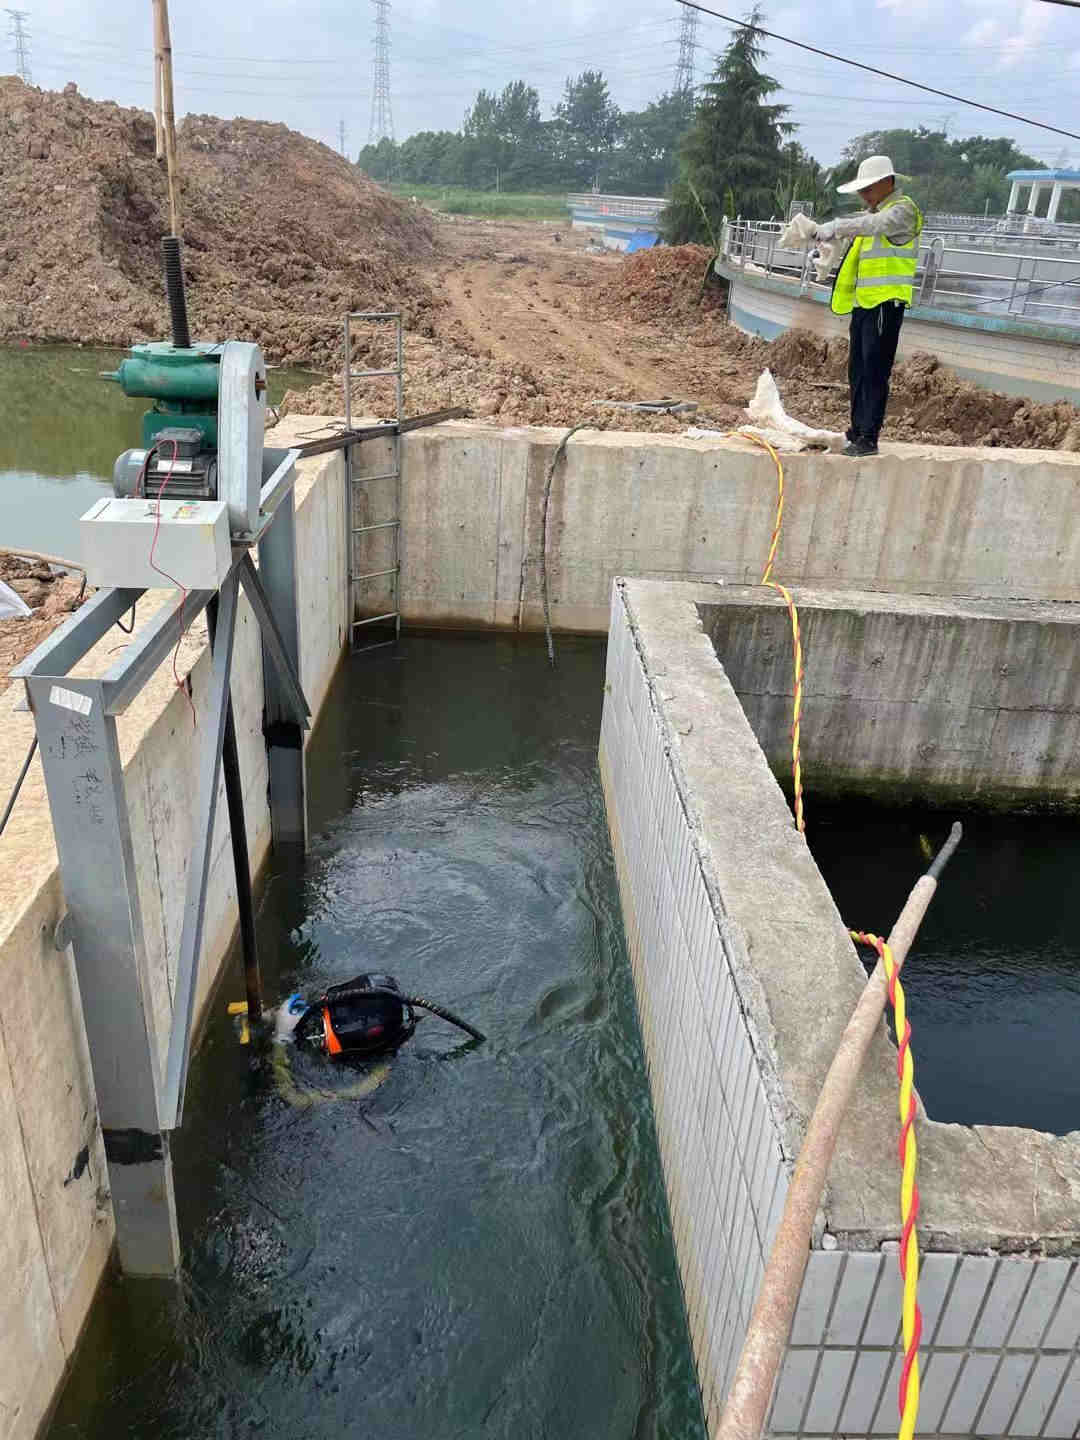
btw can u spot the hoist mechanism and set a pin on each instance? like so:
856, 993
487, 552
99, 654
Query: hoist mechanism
196, 485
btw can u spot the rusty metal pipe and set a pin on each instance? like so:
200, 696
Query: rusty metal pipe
770, 1325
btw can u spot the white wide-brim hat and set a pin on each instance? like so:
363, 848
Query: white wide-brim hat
872, 169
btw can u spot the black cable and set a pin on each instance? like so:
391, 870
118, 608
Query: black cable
559, 453
127, 629
364, 992
873, 70
442, 1012
18, 784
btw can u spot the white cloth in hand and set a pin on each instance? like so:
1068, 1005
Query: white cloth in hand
797, 233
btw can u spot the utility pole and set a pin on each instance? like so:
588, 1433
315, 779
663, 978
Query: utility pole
20, 38
382, 121
684, 66
341, 136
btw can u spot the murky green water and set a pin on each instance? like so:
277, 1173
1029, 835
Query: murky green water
993, 980
62, 428
483, 1247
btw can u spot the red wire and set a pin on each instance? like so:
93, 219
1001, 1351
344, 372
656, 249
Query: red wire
171, 578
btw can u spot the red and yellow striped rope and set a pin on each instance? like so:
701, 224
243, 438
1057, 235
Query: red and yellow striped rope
909, 1191
908, 1393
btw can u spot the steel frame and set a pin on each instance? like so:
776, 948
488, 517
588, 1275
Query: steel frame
75, 716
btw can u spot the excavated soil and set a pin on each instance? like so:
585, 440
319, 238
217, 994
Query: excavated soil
523, 322
52, 596
281, 234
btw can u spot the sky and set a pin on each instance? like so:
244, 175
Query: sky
310, 65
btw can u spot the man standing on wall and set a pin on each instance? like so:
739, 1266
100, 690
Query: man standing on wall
874, 286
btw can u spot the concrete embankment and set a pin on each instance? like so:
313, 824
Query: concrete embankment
745, 977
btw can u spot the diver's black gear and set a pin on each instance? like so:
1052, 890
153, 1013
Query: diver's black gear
362, 1017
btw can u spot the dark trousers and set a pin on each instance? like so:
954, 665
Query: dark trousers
873, 340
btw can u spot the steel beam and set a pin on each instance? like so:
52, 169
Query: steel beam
187, 971
273, 595
148, 648
67, 645
85, 783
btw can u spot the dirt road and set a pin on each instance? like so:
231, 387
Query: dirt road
531, 326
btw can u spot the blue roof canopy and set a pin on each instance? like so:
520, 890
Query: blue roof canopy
1045, 176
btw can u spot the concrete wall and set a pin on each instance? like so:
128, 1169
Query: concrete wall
917, 520
745, 977
1017, 357
906, 697
58, 1227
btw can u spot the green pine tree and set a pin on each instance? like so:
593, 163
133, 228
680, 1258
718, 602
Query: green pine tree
732, 152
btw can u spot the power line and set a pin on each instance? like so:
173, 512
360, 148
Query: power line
684, 69
873, 70
382, 120
20, 37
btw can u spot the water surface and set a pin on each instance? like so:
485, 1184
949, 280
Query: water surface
483, 1247
993, 981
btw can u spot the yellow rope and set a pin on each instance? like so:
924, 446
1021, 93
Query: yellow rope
796, 639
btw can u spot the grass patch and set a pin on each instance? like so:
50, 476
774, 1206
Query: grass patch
456, 200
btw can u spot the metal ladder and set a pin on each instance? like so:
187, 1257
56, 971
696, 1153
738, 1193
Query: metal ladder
353, 576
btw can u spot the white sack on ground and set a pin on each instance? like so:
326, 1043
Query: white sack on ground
12, 605
771, 422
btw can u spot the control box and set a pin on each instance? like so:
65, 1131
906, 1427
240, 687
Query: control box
192, 548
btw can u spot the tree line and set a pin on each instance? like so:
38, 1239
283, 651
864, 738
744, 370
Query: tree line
504, 143
728, 149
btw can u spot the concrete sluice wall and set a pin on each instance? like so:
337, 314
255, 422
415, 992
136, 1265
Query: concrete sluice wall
745, 978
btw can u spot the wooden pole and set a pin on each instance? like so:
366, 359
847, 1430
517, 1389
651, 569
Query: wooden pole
169, 117
159, 128
770, 1325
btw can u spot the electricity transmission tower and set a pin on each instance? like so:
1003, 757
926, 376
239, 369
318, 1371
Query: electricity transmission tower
684, 67
341, 136
20, 36
382, 121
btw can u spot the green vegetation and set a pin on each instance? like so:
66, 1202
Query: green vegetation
457, 200
505, 145
731, 159
958, 177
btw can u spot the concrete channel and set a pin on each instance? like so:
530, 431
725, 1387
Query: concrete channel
937, 588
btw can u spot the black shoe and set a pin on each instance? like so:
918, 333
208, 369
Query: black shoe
858, 449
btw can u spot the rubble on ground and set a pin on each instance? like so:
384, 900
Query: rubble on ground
51, 596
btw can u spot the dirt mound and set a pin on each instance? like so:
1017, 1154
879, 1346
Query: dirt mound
659, 284
281, 234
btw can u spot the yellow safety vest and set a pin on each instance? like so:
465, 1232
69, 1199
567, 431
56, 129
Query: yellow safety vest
876, 270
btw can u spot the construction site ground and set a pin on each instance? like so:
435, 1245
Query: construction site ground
530, 324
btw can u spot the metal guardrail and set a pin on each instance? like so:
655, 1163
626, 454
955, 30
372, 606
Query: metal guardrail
1018, 223
968, 276
624, 207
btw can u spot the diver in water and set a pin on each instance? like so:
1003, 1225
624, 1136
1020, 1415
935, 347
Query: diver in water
361, 1020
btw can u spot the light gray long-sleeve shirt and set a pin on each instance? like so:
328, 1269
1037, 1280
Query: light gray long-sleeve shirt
895, 222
